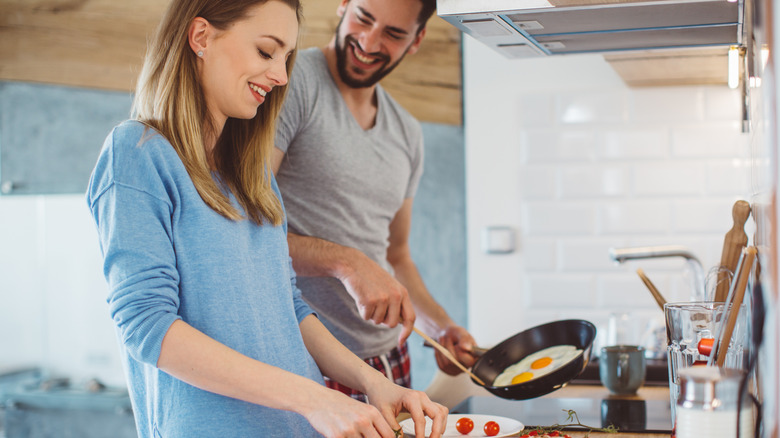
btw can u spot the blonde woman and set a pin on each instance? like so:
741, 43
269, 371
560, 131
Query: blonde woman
215, 338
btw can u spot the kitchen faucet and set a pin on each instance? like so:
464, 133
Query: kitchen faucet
621, 255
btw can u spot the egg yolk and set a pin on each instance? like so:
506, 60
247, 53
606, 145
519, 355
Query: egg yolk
522, 377
541, 363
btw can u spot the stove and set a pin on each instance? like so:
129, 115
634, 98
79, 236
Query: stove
628, 415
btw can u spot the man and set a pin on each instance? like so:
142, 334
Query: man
348, 162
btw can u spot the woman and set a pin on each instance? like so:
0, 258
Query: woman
215, 338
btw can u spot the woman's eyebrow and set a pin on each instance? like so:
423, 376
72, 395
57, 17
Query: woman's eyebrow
278, 40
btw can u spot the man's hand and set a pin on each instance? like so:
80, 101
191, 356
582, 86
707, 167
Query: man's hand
379, 296
459, 342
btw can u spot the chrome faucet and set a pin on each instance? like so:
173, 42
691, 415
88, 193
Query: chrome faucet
621, 255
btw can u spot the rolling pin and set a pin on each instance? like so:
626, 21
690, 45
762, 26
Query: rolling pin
735, 240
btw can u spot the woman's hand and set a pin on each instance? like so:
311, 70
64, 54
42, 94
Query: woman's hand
336, 415
391, 399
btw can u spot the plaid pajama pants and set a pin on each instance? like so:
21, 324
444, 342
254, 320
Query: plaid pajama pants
394, 364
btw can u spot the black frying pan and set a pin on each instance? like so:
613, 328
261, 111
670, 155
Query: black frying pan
569, 332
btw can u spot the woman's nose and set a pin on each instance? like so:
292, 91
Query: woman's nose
278, 73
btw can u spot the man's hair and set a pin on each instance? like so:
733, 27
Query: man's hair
428, 8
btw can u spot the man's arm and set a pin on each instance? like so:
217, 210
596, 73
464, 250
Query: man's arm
432, 318
378, 295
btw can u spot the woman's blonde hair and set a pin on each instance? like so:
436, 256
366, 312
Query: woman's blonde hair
170, 99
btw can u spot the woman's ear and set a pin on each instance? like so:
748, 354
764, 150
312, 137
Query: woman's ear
197, 35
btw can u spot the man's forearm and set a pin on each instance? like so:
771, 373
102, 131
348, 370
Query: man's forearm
315, 257
431, 317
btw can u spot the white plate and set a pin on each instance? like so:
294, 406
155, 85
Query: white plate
507, 426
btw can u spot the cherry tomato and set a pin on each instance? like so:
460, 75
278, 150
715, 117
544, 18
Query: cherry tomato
555, 433
491, 428
464, 425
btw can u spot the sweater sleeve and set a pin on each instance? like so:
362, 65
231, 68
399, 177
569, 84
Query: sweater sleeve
135, 231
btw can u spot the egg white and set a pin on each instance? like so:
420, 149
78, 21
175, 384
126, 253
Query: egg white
560, 355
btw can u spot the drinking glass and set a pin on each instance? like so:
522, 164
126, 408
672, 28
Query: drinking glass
687, 323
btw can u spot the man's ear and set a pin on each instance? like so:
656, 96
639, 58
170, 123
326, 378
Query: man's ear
197, 35
416, 43
342, 8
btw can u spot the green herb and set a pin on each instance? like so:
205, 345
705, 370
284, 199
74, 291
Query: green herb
398, 432
572, 421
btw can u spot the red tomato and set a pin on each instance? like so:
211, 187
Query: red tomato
464, 425
533, 433
555, 433
491, 428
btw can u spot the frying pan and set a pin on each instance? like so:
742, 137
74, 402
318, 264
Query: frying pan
567, 332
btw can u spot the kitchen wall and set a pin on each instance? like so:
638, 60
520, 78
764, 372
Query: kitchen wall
575, 162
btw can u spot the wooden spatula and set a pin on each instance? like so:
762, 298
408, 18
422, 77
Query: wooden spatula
448, 355
735, 240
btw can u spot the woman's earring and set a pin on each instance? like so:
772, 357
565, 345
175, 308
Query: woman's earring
200, 53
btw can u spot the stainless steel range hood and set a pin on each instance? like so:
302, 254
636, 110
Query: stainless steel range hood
529, 28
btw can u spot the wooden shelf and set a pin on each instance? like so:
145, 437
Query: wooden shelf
100, 44
672, 67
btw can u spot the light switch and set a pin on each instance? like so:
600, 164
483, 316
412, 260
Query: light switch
498, 240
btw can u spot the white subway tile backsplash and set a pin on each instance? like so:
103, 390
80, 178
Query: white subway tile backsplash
633, 167
635, 217
539, 182
586, 255
710, 140
580, 181
728, 177
626, 291
536, 110
636, 144
555, 145
667, 104
592, 107
559, 218
702, 215
722, 103
674, 179
561, 291
539, 254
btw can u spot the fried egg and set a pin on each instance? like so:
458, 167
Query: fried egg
537, 364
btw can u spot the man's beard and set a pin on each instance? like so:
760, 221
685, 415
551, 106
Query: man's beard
345, 74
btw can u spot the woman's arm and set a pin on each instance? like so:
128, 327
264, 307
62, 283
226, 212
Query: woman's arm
201, 361
340, 364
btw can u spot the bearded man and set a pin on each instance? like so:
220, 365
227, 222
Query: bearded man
348, 161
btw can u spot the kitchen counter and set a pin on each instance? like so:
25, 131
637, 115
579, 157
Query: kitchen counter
643, 415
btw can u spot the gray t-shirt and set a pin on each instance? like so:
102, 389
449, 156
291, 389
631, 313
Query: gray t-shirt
344, 184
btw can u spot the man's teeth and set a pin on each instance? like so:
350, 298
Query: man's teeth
362, 58
259, 90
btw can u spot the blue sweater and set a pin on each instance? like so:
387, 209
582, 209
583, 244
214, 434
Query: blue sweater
168, 256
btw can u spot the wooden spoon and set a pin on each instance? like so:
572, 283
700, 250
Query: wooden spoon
732, 310
448, 355
653, 290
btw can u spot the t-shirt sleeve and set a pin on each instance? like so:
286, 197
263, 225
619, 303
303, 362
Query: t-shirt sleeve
134, 227
293, 110
418, 158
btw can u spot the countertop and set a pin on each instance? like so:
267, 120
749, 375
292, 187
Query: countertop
644, 415
647, 393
